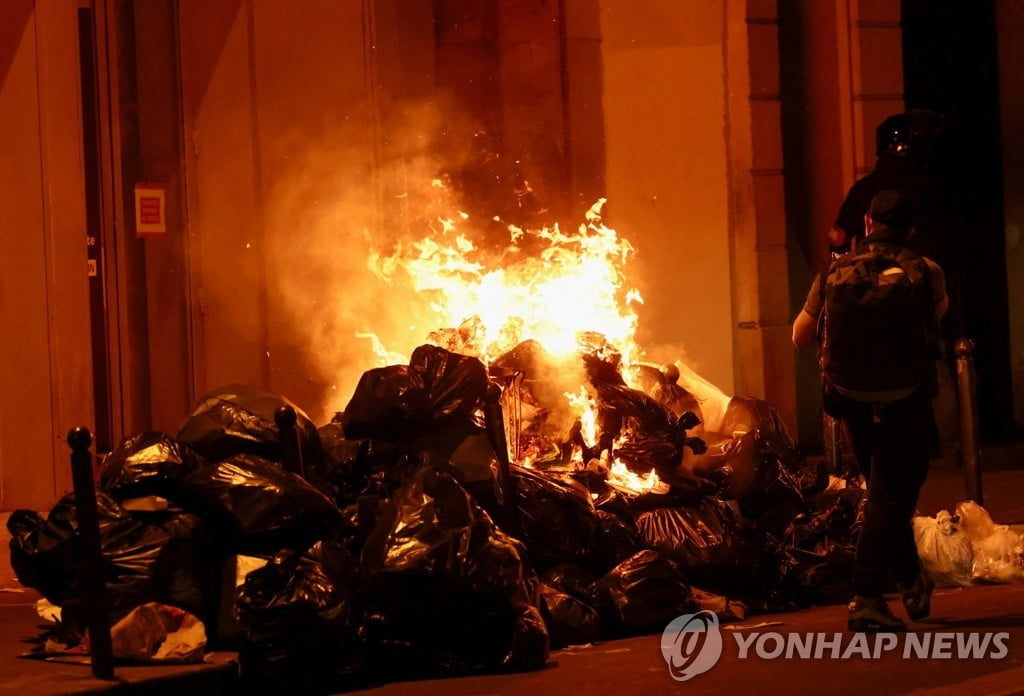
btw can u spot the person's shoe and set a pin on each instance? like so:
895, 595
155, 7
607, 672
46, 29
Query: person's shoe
872, 615
917, 599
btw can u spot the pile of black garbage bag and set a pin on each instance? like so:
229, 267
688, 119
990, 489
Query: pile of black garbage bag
396, 554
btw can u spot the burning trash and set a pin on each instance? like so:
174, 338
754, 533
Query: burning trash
522, 480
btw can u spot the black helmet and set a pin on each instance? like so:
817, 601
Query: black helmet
893, 136
912, 134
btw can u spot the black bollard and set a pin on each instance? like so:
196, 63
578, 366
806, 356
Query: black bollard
94, 589
288, 436
833, 445
970, 443
495, 422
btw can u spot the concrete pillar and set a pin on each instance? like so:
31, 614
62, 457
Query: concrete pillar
757, 212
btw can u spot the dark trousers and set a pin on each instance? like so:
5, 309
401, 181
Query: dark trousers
892, 445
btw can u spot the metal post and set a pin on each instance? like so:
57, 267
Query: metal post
495, 422
94, 589
288, 436
969, 441
833, 445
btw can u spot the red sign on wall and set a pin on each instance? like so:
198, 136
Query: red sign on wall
150, 209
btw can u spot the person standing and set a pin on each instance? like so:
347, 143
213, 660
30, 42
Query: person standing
875, 314
903, 150
906, 146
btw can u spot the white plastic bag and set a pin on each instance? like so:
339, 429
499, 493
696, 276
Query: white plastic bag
945, 551
998, 550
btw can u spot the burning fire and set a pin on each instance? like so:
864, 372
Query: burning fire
620, 476
545, 285
586, 409
566, 291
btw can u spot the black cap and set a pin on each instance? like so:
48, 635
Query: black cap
891, 208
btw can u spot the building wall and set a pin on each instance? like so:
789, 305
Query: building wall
263, 83
45, 357
666, 174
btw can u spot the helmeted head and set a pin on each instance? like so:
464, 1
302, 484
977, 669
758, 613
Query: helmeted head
893, 136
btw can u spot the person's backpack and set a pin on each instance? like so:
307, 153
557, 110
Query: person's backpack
877, 328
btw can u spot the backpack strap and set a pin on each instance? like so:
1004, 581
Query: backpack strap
822, 277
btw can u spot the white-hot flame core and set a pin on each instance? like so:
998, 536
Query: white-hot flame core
583, 404
545, 285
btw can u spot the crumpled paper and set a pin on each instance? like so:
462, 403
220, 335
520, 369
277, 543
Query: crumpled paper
155, 632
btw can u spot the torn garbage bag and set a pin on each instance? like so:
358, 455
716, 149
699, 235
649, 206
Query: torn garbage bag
446, 590
155, 632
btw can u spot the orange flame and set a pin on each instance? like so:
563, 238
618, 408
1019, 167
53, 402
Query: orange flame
567, 291
571, 286
620, 476
583, 404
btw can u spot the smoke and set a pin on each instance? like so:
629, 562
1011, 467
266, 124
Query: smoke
336, 204
337, 208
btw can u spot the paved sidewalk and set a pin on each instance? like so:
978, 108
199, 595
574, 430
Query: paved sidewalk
21, 676
636, 666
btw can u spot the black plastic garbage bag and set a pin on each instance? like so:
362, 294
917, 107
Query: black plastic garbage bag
617, 540
711, 549
836, 513
401, 403
347, 463
823, 574
387, 404
557, 520
299, 620
691, 536
570, 621
644, 433
239, 419
257, 507
769, 469
586, 587
149, 463
821, 545
165, 556
611, 500
455, 384
648, 592
447, 591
